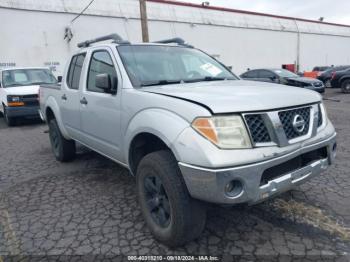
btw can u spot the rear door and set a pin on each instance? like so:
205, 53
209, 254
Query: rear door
70, 96
100, 111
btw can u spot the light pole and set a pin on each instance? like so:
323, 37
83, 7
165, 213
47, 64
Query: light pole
144, 21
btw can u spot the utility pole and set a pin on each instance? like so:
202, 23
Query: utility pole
298, 46
144, 21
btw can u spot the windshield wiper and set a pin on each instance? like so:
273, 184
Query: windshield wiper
161, 82
208, 78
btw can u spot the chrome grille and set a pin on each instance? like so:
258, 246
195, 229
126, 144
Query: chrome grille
287, 117
257, 128
30, 100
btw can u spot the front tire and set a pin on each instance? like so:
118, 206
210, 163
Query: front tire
63, 149
173, 217
10, 121
345, 86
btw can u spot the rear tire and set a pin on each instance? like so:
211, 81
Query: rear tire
173, 217
10, 121
63, 149
345, 86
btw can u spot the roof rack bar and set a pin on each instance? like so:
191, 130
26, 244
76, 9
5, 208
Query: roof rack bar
117, 38
176, 40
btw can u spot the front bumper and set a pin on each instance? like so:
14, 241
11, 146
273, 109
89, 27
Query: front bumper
23, 111
211, 184
317, 89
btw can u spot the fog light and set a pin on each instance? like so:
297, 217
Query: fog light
233, 188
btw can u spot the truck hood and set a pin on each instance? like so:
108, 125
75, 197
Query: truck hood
22, 90
238, 95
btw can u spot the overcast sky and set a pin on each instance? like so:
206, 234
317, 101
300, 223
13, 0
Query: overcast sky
336, 11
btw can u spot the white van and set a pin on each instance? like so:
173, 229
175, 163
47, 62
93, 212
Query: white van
19, 88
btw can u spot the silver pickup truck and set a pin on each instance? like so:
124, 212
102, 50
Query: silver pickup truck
187, 128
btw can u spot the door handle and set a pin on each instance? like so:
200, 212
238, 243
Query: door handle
64, 97
83, 101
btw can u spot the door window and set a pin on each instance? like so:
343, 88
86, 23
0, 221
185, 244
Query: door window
266, 74
251, 74
74, 71
100, 63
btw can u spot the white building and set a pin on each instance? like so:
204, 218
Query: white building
32, 32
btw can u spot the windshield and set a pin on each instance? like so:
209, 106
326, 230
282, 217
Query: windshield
25, 77
285, 73
159, 65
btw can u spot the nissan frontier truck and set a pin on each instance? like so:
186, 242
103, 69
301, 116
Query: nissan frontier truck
187, 128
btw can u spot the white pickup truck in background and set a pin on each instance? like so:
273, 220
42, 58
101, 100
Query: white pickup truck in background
19, 88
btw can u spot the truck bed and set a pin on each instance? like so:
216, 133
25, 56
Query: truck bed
52, 86
46, 91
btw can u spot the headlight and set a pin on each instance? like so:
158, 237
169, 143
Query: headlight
13, 98
323, 113
14, 101
226, 132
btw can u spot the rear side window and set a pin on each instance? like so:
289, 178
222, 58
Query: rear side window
101, 63
74, 71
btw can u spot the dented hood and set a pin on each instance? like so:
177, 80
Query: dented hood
238, 95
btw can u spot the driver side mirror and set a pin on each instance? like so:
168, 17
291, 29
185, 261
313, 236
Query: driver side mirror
105, 82
59, 79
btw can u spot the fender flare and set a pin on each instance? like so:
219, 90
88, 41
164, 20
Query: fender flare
52, 104
162, 123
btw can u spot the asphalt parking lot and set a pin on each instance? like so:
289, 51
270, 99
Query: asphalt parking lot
89, 207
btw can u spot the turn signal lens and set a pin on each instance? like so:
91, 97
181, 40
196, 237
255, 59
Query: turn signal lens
206, 128
15, 104
226, 132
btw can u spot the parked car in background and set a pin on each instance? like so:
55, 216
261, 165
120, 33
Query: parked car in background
316, 71
341, 79
320, 68
19, 89
187, 128
326, 76
284, 77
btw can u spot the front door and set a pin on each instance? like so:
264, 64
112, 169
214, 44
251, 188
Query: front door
100, 111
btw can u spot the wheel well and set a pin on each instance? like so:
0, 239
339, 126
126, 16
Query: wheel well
49, 114
344, 79
142, 145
